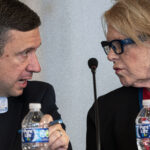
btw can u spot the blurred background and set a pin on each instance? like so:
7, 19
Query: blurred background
71, 33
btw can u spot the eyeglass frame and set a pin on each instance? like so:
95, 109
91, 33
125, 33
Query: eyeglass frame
121, 42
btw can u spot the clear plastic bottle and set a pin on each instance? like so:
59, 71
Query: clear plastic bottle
143, 127
34, 131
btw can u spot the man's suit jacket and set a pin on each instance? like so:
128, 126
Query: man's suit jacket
117, 111
18, 107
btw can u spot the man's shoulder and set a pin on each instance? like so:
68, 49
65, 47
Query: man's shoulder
38, 84
37, 89
38, 92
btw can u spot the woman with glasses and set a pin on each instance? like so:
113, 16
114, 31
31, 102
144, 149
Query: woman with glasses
127, 29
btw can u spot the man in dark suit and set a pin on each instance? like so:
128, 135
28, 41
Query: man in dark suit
19, 41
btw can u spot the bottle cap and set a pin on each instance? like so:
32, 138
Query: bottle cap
34, 106
146, 102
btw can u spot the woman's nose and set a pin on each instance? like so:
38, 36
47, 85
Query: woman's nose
112, 55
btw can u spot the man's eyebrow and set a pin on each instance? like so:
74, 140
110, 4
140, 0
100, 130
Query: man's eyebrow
32, 48
28, 49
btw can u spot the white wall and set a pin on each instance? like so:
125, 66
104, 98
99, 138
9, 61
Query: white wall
71, 33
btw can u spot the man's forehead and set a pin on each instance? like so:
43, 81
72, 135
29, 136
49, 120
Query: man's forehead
23, 39
18, 32
32, 35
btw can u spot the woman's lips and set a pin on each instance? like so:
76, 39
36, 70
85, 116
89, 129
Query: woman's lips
117, 70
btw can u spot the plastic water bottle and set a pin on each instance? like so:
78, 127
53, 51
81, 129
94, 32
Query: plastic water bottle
143, 127
34, 132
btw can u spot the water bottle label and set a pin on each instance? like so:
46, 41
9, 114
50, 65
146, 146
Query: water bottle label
143, 131
34, 135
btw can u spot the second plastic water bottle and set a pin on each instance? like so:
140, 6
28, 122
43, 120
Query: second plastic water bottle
34, 132
143, 127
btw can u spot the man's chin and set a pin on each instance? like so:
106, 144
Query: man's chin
16, 93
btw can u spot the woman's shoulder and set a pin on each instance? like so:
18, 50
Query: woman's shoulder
120, 93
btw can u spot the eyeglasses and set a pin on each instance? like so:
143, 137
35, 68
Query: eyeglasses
116, 45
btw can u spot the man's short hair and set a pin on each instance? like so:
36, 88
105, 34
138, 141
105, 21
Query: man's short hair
15, 15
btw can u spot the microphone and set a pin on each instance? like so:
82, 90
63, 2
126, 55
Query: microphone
93, 63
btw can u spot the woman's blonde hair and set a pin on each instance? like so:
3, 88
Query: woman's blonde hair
129, 17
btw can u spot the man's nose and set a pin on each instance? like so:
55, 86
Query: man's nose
112, 55
33, 65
